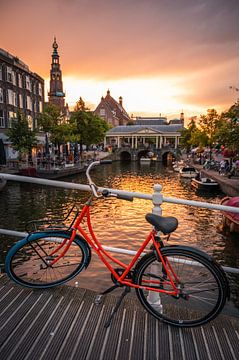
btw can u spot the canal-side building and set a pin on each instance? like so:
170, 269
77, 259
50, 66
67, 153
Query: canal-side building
20, 89
112, 111
148, 135
56, 95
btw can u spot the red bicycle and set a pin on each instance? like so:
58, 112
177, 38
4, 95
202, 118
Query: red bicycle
179, 285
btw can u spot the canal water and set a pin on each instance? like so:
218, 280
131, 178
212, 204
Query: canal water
119, 223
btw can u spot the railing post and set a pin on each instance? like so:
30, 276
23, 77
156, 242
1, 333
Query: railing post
157, 200
153, 297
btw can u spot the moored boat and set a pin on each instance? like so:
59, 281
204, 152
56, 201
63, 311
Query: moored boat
178, 165
188, 172
231, 219
144, 160
204, 183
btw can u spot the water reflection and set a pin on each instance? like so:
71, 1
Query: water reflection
120, 223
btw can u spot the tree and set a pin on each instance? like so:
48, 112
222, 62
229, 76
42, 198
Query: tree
227, 132
80, 105
208, 124
21, 136
48, 121
186, 134
89, 127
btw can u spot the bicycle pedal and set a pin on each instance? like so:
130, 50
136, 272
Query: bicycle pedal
98, 299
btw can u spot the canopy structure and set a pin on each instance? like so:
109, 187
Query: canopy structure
136, 136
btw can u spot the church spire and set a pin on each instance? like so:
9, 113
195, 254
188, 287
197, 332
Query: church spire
56, 94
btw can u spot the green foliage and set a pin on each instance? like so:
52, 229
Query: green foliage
186, 134
228, 130
208, 124
89, 127
21, 136
49, 118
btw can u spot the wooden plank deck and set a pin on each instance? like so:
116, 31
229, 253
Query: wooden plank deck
64, 323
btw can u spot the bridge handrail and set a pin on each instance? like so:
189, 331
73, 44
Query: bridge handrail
156, 197
108, 248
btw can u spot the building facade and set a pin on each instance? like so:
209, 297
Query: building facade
56, 95
154, 135
112, 111
20, 90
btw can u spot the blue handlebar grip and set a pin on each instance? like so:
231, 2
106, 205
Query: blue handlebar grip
105, 161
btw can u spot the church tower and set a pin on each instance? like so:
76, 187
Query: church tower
56, 95
182, 117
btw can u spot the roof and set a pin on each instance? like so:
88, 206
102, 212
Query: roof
151, 121
123, 129
115, 107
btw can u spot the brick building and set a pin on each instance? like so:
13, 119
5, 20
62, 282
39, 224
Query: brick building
20, 89
112, 111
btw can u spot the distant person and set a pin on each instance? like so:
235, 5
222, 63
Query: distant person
222, 167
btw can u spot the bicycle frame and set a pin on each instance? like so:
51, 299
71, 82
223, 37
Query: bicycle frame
103, 254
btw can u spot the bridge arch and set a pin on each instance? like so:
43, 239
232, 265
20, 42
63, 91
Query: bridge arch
125, 155
168, 156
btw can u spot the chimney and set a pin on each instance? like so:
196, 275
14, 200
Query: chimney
121, 101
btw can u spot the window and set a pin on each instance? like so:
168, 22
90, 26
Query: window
102, 112
2, 122
13, 78
20, 101
40, 89
40, 106
10, 97
28, 83
20, 80
30, 122
14, 99
29, 103
1, 95
0, 72
11, 117
9, 74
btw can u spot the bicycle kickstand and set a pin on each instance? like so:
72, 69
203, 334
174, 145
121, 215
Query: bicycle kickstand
117, 305
98, 298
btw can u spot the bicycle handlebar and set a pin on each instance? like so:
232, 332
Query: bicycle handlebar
93, 186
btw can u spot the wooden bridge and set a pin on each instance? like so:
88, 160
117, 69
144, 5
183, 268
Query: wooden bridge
64, 323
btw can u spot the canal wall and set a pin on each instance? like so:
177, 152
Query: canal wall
229, 186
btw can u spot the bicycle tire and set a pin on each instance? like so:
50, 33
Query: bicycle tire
203, 288
26, 261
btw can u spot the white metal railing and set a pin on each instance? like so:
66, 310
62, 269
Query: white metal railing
157, 198
109, 248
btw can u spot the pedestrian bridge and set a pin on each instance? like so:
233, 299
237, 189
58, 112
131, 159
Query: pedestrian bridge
131, 154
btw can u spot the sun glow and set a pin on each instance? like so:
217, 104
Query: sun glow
152, 96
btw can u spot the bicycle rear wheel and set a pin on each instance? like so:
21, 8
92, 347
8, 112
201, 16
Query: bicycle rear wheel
202, 288
27, 261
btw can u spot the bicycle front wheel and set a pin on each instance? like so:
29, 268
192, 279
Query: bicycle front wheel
27, 262
201, 287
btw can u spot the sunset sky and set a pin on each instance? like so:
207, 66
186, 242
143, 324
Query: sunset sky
161, 56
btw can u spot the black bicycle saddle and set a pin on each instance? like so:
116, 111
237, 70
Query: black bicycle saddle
166, 224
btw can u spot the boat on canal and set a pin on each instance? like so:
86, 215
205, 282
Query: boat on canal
230, 219
145, 160
204, 183
188, 172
